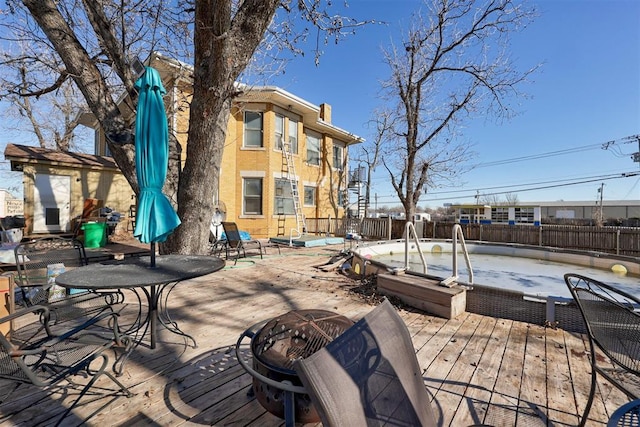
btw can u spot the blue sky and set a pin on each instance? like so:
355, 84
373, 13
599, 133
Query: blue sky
586, 94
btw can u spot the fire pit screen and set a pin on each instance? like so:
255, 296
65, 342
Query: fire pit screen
276, 345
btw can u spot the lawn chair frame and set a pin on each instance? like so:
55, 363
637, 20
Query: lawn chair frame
613, 327
44, 359
32, 260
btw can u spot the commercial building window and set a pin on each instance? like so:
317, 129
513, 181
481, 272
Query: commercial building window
283, 200
337, 156
279, 133
252, 201
313, 149
293, 136
252, 129
309, 195
500, 215
524, 215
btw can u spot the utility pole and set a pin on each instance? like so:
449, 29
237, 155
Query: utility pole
600, 212
376, 200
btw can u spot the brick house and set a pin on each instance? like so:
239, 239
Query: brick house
256, 190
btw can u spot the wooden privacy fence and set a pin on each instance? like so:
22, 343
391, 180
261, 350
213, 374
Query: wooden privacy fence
612, 240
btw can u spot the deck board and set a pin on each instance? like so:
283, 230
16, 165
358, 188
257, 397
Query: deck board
504, 399
476, 397
559, 388
532, 408
477, 369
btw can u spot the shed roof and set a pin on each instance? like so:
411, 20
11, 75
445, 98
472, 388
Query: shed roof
25, 154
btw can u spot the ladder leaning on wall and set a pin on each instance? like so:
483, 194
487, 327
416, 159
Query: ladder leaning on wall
289, 173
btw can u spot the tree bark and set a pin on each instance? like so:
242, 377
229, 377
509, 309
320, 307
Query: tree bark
89, 80
223, 48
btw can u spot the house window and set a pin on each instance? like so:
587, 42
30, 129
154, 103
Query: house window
343, 198
337, 156
283, 200
309, 195
252, 202
279, 133
313, 149
293, 136
252, 129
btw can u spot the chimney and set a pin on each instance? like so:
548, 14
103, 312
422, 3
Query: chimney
325, 112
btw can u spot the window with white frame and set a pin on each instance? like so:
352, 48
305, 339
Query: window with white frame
343, 198
524, 215
279, 131
338, 156
283, 199
313, 148
500, 214
253, 129
252, 197
309, 195
293, 136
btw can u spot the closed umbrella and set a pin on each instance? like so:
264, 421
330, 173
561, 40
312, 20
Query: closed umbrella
155, 217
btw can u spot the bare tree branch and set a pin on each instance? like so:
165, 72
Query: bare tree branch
454, 65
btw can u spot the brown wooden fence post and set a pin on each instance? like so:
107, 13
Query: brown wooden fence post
540, 236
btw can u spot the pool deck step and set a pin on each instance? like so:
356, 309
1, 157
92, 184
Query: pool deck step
425, 294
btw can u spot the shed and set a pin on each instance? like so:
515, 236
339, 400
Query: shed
57, 183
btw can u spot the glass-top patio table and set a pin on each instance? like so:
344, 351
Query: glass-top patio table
136, 273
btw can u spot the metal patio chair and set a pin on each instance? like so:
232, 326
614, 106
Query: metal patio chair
39, 261
369, 375
37, 356
628, 415
234, 242
613, 326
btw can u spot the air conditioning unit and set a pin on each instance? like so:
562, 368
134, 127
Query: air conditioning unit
138, 68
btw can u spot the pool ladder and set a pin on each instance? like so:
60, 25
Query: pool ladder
457, 236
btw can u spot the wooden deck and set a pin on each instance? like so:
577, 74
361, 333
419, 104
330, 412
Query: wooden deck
478, 369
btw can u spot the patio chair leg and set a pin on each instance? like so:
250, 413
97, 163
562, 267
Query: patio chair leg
289, 409
587, 409
94, 377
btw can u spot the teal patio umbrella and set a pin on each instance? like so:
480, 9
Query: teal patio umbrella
155, 218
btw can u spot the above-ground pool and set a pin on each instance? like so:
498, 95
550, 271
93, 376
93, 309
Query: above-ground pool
537, 272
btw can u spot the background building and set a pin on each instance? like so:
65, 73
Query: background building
283, 161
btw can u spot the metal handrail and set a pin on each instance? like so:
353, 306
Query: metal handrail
457, 236
407, 230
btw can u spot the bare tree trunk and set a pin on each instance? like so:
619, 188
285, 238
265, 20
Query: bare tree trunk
222, 52
89, 81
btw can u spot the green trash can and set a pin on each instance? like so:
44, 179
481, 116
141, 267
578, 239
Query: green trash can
95, 234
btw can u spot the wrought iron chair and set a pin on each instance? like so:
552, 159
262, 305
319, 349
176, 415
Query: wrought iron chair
613, 326
39, 261
628, 415
234, 242
37, 356
369, 375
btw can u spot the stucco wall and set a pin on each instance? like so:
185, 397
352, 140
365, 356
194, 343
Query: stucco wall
107, 185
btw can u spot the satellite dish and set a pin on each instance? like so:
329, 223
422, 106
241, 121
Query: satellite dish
219, 215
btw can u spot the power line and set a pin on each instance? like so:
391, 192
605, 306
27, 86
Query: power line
539, 156
609, 145
624, 175
523, 187
604, 146
554, 181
